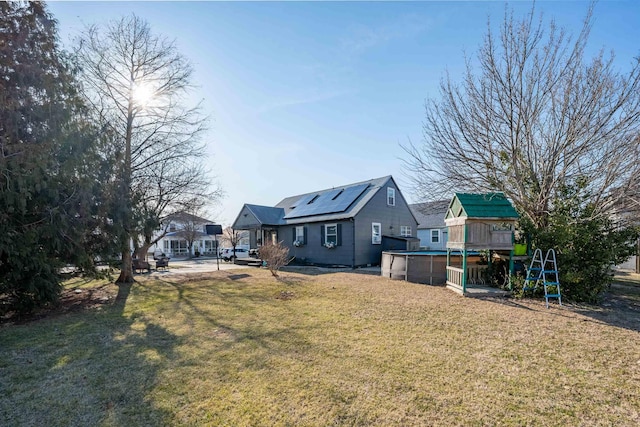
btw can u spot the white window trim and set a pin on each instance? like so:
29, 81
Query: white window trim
405, 231
391, 194
376, 238
326, 234
431, 235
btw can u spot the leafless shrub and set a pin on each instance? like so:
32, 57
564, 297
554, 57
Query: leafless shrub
276, 256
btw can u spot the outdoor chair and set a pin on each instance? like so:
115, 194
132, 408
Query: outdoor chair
140, 265
162, 263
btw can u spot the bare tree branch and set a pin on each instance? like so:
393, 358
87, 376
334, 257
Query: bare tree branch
137, 82
530, 116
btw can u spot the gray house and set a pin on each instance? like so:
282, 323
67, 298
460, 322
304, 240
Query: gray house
338, 226
432, 231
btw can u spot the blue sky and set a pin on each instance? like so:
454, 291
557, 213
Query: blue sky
310, 95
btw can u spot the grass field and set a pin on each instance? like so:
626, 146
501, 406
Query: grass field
239, 348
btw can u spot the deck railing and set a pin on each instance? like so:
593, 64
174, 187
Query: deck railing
474, 275
454, 276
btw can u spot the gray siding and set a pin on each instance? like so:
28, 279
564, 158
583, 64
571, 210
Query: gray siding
246, 220
390, 217
313, 251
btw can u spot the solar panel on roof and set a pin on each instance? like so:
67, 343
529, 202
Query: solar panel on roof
303, 200
332, 193
326, 204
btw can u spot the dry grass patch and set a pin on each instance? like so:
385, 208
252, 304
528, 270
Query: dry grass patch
240, 348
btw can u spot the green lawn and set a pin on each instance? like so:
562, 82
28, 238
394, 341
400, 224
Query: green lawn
239, 348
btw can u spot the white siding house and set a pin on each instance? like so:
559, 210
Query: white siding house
182, 228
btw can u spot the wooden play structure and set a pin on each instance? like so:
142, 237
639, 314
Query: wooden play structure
478, 222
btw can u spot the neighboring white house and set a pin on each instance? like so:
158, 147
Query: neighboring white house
181, 228
432, 231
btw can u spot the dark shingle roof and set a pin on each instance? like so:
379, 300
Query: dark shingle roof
355, 203
267, 215
333, 204
184, 217
430, 214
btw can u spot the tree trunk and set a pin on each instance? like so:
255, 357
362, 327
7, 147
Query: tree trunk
142, 251
126, 273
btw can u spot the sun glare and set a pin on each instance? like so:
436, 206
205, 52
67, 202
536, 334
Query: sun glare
143, 94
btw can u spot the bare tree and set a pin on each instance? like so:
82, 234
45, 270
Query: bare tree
232, 237
136, 83
276, 256
192, 228
531, 116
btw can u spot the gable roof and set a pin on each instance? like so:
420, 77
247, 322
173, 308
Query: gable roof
430, 214
489, 205
184, 217
330, 204
267, 215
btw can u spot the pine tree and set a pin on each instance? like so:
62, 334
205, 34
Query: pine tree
47, 160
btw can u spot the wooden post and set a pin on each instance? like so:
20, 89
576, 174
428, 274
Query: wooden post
464, 261
511, 255
464, 270
511, 268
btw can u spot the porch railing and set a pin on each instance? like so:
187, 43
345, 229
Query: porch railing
454, 276
474, 275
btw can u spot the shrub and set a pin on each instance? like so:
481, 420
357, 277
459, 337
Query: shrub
587, 246
275, 256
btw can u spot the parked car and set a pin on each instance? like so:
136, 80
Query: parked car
227, 253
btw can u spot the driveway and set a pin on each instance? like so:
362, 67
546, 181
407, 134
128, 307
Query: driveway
189, 266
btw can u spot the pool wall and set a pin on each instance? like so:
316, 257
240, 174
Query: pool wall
428, 267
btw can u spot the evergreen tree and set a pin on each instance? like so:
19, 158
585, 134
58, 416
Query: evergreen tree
47, 167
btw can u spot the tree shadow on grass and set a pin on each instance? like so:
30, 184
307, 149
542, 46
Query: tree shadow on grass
315, 270
241, 299
96, 367
129, 362
620, 306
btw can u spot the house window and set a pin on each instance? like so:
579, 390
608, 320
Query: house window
435, 236
210, 246
299, 236
391, 196
176, 247
376, 233
331, 234
405, 231
172, 227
